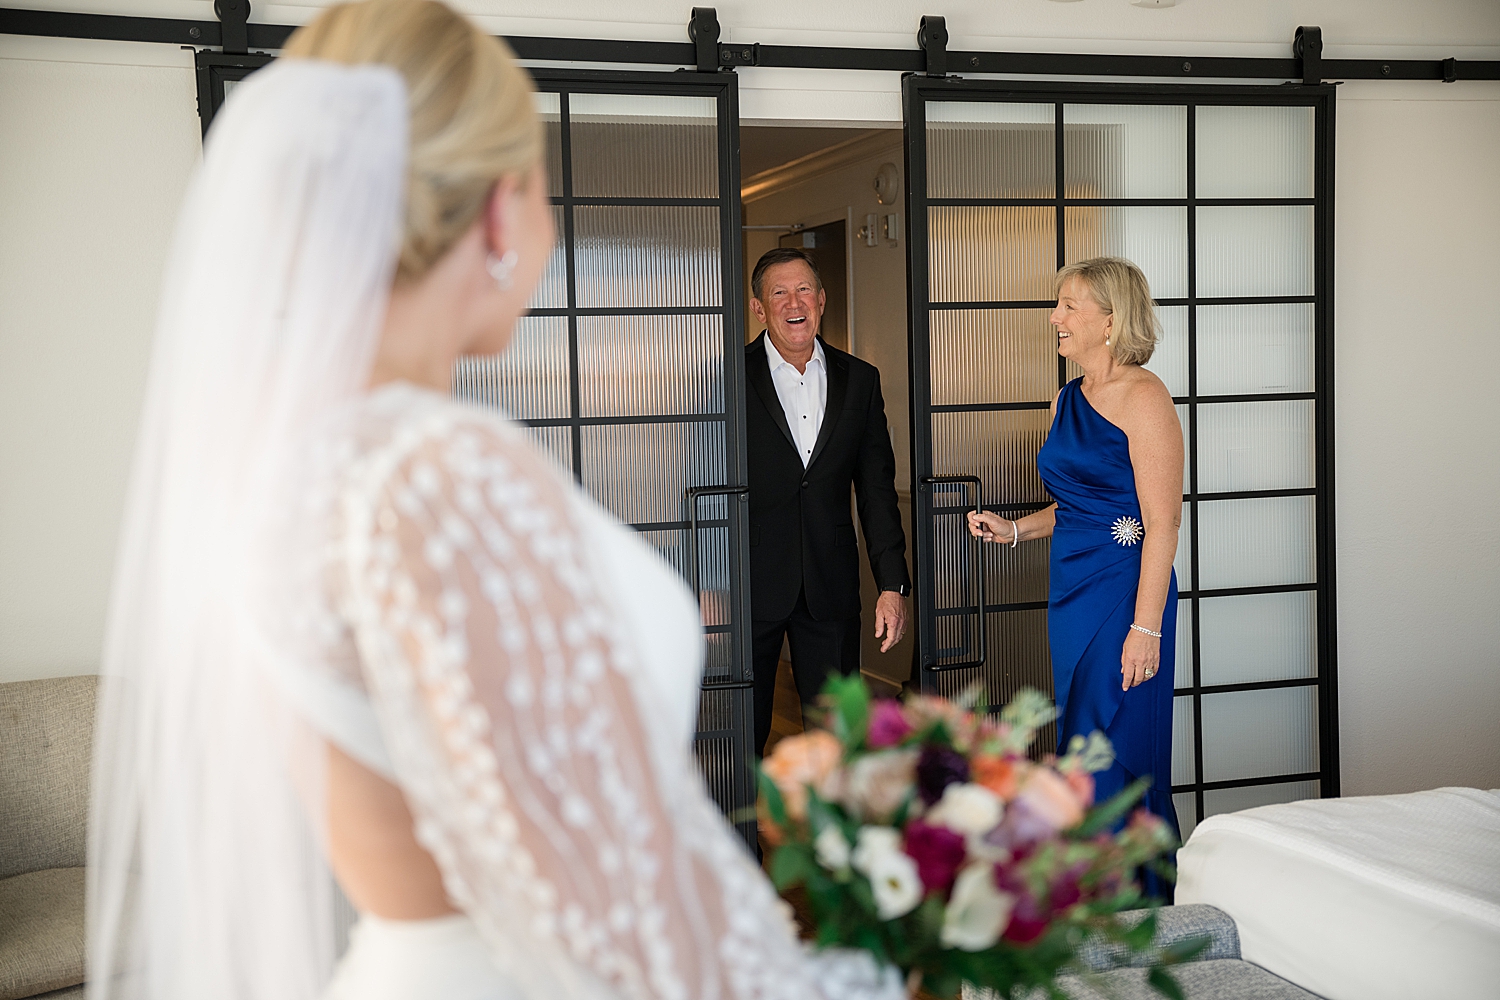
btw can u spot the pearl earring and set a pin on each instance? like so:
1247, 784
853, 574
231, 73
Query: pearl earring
500, 268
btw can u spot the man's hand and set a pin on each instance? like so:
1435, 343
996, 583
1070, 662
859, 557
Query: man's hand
890, 618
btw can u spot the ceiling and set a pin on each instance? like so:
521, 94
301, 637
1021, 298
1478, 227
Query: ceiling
765, 146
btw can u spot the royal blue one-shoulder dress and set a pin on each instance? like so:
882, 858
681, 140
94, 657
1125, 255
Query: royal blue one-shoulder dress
1096, 569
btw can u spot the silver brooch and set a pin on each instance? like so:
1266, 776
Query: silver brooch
1128, 531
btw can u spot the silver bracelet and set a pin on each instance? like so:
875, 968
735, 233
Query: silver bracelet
1015, 534
1142, 628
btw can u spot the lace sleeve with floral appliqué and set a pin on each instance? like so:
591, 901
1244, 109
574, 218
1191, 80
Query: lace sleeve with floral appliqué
593, 866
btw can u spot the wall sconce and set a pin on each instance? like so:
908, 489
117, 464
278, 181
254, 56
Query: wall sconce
887, 184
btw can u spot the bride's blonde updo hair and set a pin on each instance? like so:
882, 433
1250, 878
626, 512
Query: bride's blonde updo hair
472, 114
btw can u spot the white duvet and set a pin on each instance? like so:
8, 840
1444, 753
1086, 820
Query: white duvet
1391, 896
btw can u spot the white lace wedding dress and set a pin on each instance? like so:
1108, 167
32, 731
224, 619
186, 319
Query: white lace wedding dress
526, 669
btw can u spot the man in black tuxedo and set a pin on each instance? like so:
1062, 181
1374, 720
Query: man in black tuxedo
816, 426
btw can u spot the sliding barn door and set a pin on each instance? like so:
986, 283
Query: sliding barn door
628, 367
1222, 197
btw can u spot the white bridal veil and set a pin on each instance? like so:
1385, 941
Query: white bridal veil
206, 878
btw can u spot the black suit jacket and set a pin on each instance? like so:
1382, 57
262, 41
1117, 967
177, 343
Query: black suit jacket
801, 532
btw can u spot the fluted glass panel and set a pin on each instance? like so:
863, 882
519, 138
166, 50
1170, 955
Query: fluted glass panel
644, 146
1254, 152
1153, 236
1019, 657
556, 442
529, 380
1183, 667
998, 446
1255, 446
1182, 562
1170, 359
957, 554
647, 256
642, 472
1184, 415
552, 291
1259, 542
650, 365
1255, 348
978, 149
1256, 734
991, 253
1125, 151
1228, 800
549, 110
1259, 637
1254, 250
1183, 769
713, 566
1017, 575
992, 356
1186, 805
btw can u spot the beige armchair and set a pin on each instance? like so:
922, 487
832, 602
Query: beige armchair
46, 730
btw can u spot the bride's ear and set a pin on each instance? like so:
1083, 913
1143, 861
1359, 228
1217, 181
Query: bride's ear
502, 217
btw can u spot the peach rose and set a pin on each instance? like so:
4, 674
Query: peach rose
1050, 798
810, 758
999, 774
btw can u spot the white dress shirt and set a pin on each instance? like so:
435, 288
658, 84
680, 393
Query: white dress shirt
803, 395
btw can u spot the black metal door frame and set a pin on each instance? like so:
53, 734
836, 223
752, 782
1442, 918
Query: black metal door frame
916, 92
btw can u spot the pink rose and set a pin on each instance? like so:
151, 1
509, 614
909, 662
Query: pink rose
1050, 798
888, 725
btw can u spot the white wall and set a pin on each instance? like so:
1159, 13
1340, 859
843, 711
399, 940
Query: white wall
94, 155
93, 164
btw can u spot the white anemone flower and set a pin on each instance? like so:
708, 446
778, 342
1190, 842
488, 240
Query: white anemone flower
892, 873
978, 911
968, 809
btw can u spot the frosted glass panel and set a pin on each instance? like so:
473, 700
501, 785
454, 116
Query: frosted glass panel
530, 380
1017, 574
1154, 237
648, 256
1255, 734
983, 150
1255, 348
1125, 151
1227, 800
992, 356
549, 110
991, 254
998, 446
627, 145
650, 365
1018, 657
1254, 152
1254, 250
1183, 772
1184, 415
1170, 360
1255, 446
1182, 563
1256, 543
557, 442
552, 291
1184, 666
1258, 637
1186, 814
641, 472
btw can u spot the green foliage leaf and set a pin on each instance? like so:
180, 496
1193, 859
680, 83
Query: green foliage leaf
775, 804
1185, 950
1139, 937
790, 866
1102, 817
1162, 982
850, 704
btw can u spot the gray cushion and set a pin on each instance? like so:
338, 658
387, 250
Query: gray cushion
46, 730
1217, 979
1173, 924
71, 993
41, 932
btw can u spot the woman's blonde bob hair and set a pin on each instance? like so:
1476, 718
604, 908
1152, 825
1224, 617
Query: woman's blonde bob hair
472, 114
1121, 291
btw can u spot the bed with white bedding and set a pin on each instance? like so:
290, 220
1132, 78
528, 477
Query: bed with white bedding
1391, 896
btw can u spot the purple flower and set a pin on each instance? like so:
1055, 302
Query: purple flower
938, 768
888, 726
938, 852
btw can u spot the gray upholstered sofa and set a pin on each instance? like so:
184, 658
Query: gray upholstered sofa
45, 733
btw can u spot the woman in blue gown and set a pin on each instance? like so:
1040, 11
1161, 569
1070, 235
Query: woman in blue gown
1113, 464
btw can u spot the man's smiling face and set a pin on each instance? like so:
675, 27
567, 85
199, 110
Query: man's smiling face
791, 305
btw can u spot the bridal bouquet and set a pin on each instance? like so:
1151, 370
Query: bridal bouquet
923, 834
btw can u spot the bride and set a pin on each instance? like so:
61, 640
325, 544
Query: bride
362, 632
